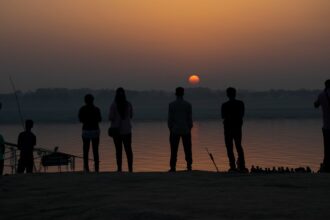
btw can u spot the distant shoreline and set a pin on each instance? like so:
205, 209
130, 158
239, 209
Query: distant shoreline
62, 105
165, 121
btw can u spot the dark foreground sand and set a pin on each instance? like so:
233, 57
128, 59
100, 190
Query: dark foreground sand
195, 195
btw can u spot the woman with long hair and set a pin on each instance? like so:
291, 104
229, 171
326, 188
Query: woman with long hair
121, 113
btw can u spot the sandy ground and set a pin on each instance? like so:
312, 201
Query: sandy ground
182, 195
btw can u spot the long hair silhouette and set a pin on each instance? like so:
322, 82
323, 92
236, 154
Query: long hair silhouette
121, 102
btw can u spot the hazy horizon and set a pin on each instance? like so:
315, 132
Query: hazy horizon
61, 105
143, 45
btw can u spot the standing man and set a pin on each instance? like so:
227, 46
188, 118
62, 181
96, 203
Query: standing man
26, 142
90, 116
232, 113
2, 151
180, 124
323, 100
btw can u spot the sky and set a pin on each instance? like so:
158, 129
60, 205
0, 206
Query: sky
157, 44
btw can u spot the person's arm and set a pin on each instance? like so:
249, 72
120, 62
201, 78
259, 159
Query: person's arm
190, 121
170, 117
130, 110
112, 112
317, 103
243, 110
19, 142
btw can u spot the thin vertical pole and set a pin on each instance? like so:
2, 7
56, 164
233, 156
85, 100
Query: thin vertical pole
17, 101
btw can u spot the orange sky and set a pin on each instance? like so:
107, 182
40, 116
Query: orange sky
143, 44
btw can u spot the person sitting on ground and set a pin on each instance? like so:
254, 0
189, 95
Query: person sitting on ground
26, 142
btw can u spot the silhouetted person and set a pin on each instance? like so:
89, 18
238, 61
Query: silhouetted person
323, 100
26, 142
121, 113
232, 113
2, 154
2, 151
180, 124
90, 117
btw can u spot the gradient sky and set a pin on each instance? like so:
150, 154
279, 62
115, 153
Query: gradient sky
156, 44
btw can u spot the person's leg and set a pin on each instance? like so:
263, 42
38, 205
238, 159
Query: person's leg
174, 142
229, 146
127, 141
29, 164
326, 160
21, 164
117, 140
95, 145
186, 140
239, 148
86, 142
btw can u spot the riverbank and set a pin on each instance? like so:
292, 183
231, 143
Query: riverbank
182, 195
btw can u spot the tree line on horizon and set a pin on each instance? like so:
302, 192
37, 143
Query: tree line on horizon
61, 104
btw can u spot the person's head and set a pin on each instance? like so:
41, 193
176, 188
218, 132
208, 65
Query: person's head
231, 93
89, 99
179, 92
120, 95
28, 125
327, 84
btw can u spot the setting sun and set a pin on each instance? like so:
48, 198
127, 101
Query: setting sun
194, 79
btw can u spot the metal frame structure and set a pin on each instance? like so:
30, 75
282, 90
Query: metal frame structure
11, 157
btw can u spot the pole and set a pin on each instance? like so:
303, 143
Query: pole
212, 159
17, 101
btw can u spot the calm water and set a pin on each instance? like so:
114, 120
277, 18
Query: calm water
266, 143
